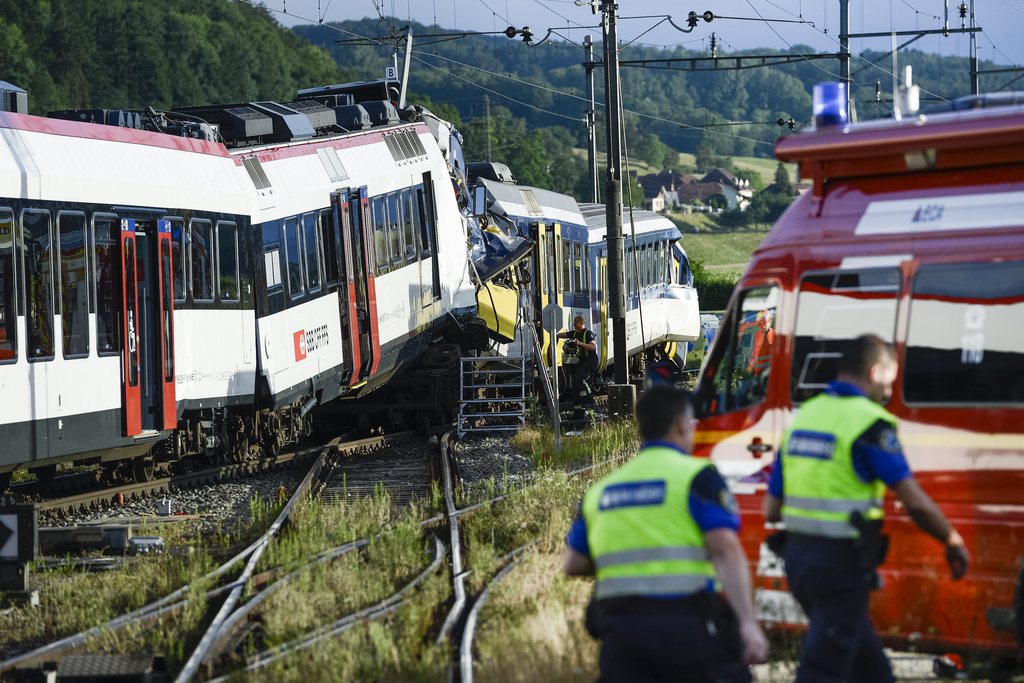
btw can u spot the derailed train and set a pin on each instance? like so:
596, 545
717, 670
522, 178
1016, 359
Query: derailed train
205, 280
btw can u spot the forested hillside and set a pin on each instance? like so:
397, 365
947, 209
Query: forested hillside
135, 53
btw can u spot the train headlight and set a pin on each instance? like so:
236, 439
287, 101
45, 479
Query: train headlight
829, 104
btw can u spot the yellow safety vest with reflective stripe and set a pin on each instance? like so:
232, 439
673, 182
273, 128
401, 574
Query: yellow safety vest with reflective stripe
642, 538
820, 486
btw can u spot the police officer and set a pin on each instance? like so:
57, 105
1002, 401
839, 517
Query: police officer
583, 345
827, 486
660, 534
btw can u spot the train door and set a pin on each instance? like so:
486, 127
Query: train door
358, 257
428, 227
352, 341
148, 327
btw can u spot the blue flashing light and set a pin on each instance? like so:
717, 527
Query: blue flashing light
829, 104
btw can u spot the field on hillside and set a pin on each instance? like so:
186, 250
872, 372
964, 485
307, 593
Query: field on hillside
724, 251
687, 161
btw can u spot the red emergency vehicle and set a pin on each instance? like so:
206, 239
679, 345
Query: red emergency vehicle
913, 229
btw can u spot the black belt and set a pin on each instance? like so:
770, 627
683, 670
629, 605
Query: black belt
698, 603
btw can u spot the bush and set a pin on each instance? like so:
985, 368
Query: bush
713, 289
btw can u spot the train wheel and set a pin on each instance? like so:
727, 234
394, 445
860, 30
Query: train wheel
143, 469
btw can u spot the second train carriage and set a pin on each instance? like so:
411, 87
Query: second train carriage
568, 267
213, 282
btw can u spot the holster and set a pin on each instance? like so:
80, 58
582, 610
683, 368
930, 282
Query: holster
872, 546
777, 542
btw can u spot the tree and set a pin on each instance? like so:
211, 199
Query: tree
782, 182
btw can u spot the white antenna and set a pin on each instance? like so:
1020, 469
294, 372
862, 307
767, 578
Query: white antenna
405, 68
896, 114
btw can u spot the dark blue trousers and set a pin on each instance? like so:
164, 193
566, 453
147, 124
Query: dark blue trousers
841, 644
660, 645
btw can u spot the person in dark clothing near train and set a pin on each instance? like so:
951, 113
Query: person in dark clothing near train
827, 485
660, 536
581, 348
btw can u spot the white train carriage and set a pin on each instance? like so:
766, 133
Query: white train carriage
155, 284
86, 222
662, 308
569, 267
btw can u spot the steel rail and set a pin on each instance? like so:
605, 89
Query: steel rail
199, 655
458, 576
375, 611
466, 646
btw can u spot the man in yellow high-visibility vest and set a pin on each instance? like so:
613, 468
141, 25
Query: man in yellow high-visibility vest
827, 485
660, 534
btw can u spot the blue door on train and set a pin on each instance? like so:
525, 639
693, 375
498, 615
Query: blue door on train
147, 327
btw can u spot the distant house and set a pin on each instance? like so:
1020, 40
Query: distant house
660, 189
735, 191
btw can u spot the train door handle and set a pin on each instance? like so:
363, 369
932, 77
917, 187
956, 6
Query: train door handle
758, 447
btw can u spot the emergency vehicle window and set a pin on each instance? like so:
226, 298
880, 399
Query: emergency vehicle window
831, 309
227, 260
8, 309
74, 284
964, 343
736, 375
202, 260
39, 282
106, 231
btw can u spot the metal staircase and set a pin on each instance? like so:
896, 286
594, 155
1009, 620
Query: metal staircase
492, 394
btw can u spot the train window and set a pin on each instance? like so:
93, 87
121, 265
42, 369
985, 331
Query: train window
293, 256
311, 254
272, 267
227, 260
566, 258
831, 309
106, 233
630, 271
8, 289
425, 215
179, 251
736, 375
408, 227
38, 236
329, 239
586, 270
74, 284
167, 324
964, 342
131, 305
577, 267
201, 248
380, 235
394, 229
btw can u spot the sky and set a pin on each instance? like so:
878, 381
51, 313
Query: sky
755, 24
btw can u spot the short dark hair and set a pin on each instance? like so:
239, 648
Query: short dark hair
658, 408
861, 353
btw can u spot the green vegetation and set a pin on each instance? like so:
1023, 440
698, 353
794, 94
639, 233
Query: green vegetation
119, 53
590, 446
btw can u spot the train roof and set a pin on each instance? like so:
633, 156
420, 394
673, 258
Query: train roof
532, 202
924, 175
644, 220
